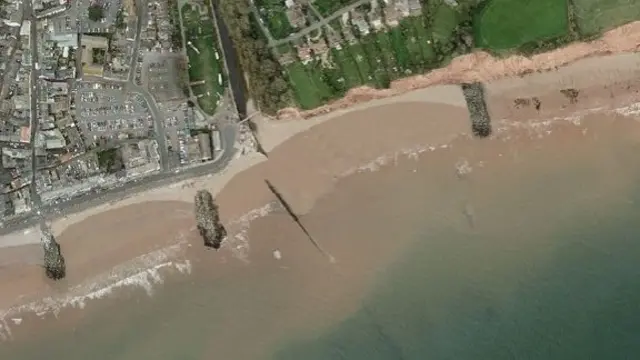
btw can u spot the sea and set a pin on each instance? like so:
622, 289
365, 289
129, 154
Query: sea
524, 245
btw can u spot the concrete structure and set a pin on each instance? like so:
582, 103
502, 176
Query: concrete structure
91, 44
204, 142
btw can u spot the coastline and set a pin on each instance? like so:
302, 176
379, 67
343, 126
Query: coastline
344, 146
481, 66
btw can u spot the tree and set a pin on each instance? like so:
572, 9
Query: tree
258, 62
96, 12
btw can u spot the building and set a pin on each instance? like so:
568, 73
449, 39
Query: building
6, 206
94, 49
294, 13
206, 151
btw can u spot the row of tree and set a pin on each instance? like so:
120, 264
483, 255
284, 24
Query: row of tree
266, 80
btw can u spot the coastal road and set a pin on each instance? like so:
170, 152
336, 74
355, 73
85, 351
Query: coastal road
228, 134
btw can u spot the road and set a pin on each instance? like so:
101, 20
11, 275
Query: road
228, 134
156, 114
99, 197
34, 95
34, 99
319, 24
158, 125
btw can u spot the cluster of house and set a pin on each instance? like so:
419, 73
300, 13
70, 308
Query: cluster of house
377, 16
191, 136
157, 33
64, 162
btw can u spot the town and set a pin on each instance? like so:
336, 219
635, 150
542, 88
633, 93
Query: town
99, 94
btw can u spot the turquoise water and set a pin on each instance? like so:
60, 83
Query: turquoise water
549, 269
579, 301
533, 255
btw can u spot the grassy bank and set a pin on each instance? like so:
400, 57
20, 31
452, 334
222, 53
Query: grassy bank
375, 45
205, 60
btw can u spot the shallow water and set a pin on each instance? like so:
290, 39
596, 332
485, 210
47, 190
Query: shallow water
505, 248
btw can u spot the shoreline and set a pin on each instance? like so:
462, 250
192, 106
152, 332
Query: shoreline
245, 198
477, 66
480, 66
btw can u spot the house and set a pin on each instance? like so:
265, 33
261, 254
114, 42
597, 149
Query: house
334, 39
415, 8
304, 53
392, 16
359, 20
295, 14
318, 47
6, 206
94, 49
206, 151
375, 17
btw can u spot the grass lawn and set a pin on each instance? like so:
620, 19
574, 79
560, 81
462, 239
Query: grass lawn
386, 49
360, 57
376, 60
594, 16
272, 13
203, 64
406, 64
345, 61
309, 88
303, 87
444, 22
328, 7
508, 24
423, 39
416, 41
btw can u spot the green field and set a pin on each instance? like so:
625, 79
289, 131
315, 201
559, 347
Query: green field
386, 49
361, 60
423, 37
444, 22
308, 85
594, 16
347, 64
272, 13
430, 40
376, 61
203, 65
406, 64
328, 7
509, 24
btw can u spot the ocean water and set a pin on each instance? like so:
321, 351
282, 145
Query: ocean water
524, 246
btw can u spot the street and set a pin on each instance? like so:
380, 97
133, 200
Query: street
228, 136
165, 177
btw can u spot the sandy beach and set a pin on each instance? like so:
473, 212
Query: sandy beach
307, 158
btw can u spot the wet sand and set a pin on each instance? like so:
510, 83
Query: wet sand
224, 303
92, 247
308, 169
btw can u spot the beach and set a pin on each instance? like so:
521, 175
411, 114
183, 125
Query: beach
367, 181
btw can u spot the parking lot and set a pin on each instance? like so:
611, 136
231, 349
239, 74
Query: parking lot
107, 112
